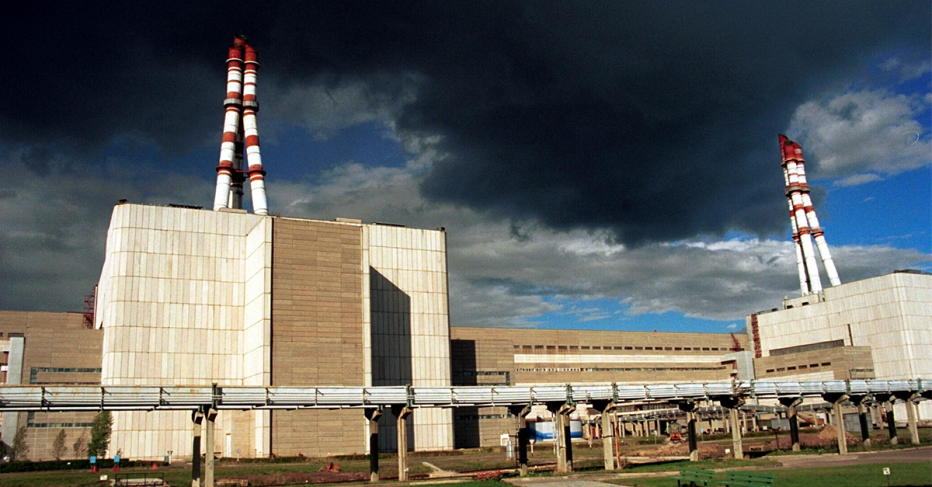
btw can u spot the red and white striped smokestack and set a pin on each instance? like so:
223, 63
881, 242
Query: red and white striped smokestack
260, 204
797, 191
793, 193
233, 105
817, 234
800, 262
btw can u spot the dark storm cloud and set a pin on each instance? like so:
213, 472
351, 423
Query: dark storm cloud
658, 123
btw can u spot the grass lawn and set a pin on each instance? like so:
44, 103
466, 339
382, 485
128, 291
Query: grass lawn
902, 475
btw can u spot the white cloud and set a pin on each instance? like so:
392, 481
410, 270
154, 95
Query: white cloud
907, 70
859, 136
325, 110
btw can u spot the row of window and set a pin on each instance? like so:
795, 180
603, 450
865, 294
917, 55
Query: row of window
801, 367
618, 369
527, 348
31, 423
35, 371
474, 417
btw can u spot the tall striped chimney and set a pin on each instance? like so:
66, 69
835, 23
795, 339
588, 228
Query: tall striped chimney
804, 222
239, 130
251, 131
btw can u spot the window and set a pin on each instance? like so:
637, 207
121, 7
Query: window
769, 371
826, 364
629, 348
585, 347
561, 347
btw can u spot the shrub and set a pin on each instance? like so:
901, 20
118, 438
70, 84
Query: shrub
58, 446
100, 434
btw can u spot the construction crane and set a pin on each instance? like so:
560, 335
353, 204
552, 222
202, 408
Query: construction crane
735, 344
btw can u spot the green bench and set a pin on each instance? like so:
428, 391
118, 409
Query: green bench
694, 476
748, 479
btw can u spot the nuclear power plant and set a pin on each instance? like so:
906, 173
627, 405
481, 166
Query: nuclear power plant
252, 307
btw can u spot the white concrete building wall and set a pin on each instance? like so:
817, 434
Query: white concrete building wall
892, 314
172, 296
406, 323
257, 326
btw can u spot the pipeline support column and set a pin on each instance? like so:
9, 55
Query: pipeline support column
792, 417
521, 413
862, 419
401, 416
732, 404
836, 400
373, 415
608, 453
197, 417
690, 409
911, 415
210, 416
891, 420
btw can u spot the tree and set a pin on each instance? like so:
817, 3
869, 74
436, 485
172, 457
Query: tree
19, 449
100, 434
80, 445
58, 446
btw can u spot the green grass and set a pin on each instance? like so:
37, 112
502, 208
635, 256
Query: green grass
902, 475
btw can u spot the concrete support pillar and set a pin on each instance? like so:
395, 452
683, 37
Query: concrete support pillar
401, 423
732, 404
197, 417
790, 403
736, 443
608, 451
891, 421
690, 409
836, 400
623, 427
521, 413
568, 438
373, 416
693, 444
911, 416
862, 419
209, 439
558, 443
